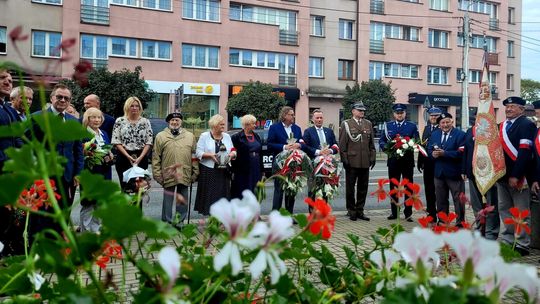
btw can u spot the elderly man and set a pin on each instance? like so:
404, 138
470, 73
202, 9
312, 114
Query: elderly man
93, 101
358, 156
399, 167
517, 138
426, 164
172, 166
19, 96
445, 148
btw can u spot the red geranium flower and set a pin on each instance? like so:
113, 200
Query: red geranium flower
380, 192
482, 215
111, 249
466, 225
36, 196
414, 197
463, 199
400, 189
446, 225
320, 219
424, 221
518, 220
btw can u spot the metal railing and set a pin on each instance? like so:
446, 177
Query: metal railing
376, 7
95, 14
288, 80
494, 24
287, 37
97, 63
376, 46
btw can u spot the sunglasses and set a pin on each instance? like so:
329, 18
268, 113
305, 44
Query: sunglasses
60, 97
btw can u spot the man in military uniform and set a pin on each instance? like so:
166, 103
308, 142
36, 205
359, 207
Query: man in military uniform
517, 138
427, 165
357, 152
399, 167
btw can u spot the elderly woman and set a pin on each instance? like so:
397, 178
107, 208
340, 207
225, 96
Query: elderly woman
248, 163
132, 137
214, 180
92, 120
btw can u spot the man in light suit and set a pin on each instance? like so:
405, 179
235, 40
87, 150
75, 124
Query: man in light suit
17, 100
446, 146
358, 156
278, 135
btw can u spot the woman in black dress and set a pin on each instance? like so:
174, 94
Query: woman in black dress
248, 163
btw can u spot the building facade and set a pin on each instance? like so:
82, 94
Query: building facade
310, 50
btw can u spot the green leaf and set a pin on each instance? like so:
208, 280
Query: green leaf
11, 186
301, 219
96, 187
327, 258
63, 131
355, 239
382, 231
15, 129
445, 295
13, 269
329, 275
22, 160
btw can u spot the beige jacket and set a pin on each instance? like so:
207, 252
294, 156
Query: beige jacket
171, 158
358, 153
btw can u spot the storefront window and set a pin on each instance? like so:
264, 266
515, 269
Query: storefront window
158, 107
199, 109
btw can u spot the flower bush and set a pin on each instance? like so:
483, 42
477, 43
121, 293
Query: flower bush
399, 146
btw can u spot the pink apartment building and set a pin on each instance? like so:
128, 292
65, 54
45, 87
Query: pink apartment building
308, 49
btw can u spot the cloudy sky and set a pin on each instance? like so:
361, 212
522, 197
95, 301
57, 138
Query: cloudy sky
530, 40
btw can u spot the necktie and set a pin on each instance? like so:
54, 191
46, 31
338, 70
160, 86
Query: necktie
61, 115
399, 125
508, 125
320, 132
444, 138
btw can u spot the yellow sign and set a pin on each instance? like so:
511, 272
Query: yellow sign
209, 89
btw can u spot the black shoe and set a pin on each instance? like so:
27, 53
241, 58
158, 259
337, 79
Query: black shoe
392, 217
409, 219
353, 217
364, 218
522, 251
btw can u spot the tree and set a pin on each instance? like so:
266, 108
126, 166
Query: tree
530, 90
257, 99
376, 95
113, 88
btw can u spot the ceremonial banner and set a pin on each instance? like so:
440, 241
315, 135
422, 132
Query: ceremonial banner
488, 156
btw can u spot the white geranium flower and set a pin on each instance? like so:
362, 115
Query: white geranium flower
411, 143
399, 151
471, 245
403, 140
405, 146
498, 274
169, 260
420, 244
1, 246
36, 279
279, 228
390, 258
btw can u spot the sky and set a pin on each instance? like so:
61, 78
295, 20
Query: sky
530, 40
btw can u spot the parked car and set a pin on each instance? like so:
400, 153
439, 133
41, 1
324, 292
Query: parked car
158, 125
267, 157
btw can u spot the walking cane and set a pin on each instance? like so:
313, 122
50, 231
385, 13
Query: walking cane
193, 160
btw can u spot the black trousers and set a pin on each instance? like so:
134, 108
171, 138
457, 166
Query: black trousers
359, 178
429, 188
123, 163
400, 172
277, 201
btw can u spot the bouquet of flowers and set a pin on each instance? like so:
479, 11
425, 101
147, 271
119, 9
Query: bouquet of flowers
93, 154
294, 166
326, 175
399, 146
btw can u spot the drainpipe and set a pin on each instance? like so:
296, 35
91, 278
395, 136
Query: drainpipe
357, 41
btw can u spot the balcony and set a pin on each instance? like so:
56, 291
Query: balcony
95, 14
287, 37
376, 46
288, 80
376, 7
494, 24
493, 59
97, 63
494, 92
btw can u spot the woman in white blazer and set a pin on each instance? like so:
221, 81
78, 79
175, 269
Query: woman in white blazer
214, 179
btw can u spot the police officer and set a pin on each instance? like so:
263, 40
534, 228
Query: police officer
518, 134
401, 167
426, 164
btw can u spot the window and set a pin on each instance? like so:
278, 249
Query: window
255, 59
200, 56
207, 10
510, 48
411, 33
94, 47
316, 67
155, 49
477, 6
287, 64
439, 5
376, 70
317, 26
438, 39
376, 31
3, 40
437, 75
123, 47
511, 15
46, 44
48, 1
345, 69
477, 41
492, 78
151, 4
346, 29
475, 76
401, 32
243, 12
397, 70
510, 82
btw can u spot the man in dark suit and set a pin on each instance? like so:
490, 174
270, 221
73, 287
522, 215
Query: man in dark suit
93, 101
517, 138
278, 137
357, 152
426, 163
446, 146
399, 167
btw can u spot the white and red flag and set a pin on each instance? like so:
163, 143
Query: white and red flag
488, 156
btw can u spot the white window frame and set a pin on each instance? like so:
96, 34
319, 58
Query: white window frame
94, 47
511, 48
141, 4
157, 46
438, 5
510, 82
376, 70
511, 15
443, 38
377, 31
264, 15
315, 19
475, 76
315, 62
49, 2
3, 38
254, 56
129, 47
477, 42
492, 76
208, 12
47, 44
442, 72
194, 56
346, 29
